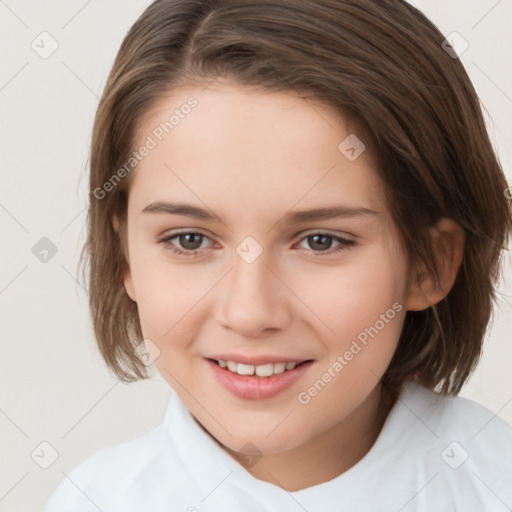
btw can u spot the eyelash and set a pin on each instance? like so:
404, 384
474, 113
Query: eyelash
345, 243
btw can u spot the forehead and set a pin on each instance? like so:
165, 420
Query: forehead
244, 149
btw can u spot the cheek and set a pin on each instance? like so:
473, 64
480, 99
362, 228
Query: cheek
348, 300
364, 306
167, 296
365, 309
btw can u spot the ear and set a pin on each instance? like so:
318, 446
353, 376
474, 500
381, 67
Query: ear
448, 244
127, 276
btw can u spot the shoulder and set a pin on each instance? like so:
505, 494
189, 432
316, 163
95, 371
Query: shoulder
464, 447
455, 416
115, 474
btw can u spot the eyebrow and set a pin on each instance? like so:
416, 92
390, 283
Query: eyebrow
293, 217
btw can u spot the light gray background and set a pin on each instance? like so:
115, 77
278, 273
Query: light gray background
54, 385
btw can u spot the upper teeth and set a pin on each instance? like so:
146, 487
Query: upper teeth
263, 370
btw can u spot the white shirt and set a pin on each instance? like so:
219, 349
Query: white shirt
434, 454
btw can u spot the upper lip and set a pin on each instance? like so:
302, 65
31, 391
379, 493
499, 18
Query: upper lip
256, 360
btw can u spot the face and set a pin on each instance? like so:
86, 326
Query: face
224, 268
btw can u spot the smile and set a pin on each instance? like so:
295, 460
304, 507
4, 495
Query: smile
257, 381
263, 370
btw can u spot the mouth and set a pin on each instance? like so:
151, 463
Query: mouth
262, 370
257, 381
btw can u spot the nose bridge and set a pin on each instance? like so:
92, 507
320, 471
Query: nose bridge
254, 298
250, 277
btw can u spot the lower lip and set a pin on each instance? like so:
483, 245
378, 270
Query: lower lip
252, 387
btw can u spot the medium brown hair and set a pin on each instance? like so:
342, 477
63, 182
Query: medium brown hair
378, 63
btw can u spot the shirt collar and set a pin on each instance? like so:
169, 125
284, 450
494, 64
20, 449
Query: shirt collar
217, 473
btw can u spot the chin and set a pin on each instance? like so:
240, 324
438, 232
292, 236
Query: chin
251, 440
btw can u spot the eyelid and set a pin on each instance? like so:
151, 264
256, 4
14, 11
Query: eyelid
328, 232
345, 243
301, 234
185, 231
182, 231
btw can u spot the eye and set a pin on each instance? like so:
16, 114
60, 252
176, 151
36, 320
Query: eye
322, 242
190, 242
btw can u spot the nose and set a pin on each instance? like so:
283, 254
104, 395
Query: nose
253, 299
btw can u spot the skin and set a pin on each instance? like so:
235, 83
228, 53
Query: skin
251, 157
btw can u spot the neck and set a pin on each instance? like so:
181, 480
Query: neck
328, 455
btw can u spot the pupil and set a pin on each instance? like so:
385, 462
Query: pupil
187, 241
324, 244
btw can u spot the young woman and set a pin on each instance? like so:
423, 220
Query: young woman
296, 214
